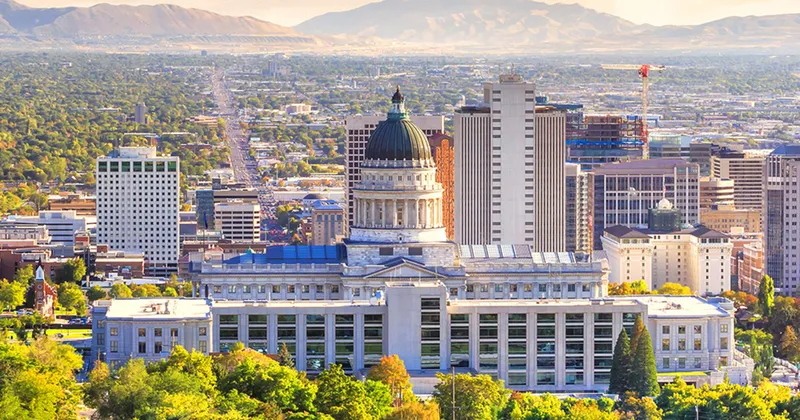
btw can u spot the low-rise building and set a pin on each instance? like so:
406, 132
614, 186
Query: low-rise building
238, 220
61, 225
725, 218
751, 268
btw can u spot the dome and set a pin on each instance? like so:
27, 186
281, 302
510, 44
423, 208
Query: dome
664, 204
398, 138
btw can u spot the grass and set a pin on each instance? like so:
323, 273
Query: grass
53, 333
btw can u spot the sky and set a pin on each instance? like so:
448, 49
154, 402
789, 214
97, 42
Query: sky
655, 12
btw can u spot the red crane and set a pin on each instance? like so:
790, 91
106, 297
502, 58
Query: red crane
644, 72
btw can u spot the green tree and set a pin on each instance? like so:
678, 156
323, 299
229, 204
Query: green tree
96, 293
285, 356
621, 365
12, 294
674, 289
120, 291
169, 292
789, 348
532, 407
631, 407
644, 377
345, 398
476, 397
71, 297
145, 290
24, 275
391, 371
415, 410
39, 201
73, 271
766, 296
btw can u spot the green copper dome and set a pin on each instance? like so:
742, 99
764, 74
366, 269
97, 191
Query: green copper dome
398, 138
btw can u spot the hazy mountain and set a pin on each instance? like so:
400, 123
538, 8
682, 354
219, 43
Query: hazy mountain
524, 25
105, 20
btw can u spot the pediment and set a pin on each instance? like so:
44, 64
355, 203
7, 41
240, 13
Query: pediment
405, 269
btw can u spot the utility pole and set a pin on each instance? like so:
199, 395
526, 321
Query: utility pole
696, 412
454, 392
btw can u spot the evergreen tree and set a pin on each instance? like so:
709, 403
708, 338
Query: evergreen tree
644, 377
638, 329
766, 296
621, 365
285, 357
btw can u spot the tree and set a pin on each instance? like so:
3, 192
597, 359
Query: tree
39, 201
621, 365
285, 357
120, 291
169, 292
25, 275
638, 287
636, 332
96, 293
145, 290
789, 348
631, 407
391, 371
71, 297
766, 296
415, 410
532, 407
476, 397
644, 377
674, 289
12, 294
345, 398
73, 271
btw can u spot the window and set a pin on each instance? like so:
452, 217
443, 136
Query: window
665, 344
681, 363
158, 347
202, 331
682, 344
698, 329
698, 363
681, 329
415, 251
142, 347
290, 288
276, 288
232, 288
203, 346
665, 329
498, 288
386, 251
157, 333
723, 328
665, 363
114, 344
723, 343
114, 332
698, 344
142, 332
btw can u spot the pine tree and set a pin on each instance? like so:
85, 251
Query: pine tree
638, 328
285, 357
644, 377
766, 296
621, 365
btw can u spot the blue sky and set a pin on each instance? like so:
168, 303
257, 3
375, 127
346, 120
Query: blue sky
656, 12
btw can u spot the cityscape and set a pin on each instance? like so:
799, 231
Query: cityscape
319, 222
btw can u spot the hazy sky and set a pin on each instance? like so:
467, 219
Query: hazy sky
656, 12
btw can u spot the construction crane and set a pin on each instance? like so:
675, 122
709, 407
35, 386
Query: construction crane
644, 73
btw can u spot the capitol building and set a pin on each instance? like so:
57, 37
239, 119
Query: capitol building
538, 321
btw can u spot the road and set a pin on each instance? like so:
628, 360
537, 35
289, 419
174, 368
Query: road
245, 169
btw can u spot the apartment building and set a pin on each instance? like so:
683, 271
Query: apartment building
238, 220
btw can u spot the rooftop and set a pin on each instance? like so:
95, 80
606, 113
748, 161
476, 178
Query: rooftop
642, 166
159, 309
293, 254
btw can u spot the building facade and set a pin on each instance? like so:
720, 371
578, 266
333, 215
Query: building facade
328, 223
138, 203
444, 156
715, 192
578, 211
746, 169
238, 220
727, 218
472, 141
780, 218
623, 193
61, 225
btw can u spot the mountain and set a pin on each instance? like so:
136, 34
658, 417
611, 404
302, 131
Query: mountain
159, 21
525, 26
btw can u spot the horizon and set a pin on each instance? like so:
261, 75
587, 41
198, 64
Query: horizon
658, 13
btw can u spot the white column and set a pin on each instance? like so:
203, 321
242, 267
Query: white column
393, 216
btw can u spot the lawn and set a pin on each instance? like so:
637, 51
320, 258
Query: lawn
53, 333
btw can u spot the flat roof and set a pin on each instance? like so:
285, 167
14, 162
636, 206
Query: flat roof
159, 309
309, 304
659, 306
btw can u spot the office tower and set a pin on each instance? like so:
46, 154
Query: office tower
204, 209
359, 128
138, 203
327, 223
780, 218
622, 193
578, 235
472, 129
510, 165
238, 220
444, 155
746, 169
140, 113
716, 192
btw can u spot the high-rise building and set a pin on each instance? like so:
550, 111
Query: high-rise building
138, 203
359, 129
140, 113
510, 161
327, 223
603, 139
444, 156
622, 193
578, 210
204, 209
715, 192
779, 218
472, 141
746, 169
238, 220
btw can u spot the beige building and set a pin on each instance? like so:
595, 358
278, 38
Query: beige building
509, 164
751, 268
715, 191
746, 169
698, 258
726, 218
238, 220
327, 223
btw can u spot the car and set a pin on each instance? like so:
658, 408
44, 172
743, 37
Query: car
74, 321
24, 312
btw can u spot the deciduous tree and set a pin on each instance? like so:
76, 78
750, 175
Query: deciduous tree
766, 296
120, 291
12, 294
476, 397
392, 372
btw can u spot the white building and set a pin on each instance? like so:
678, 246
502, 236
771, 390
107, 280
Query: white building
238, 220
539, 321
698, 258
138, 203
578, 210
509, 169
61, 224
746, 169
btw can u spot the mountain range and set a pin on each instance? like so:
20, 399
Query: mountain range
496, 26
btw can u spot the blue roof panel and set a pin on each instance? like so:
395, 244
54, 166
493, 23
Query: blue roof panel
293, 254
